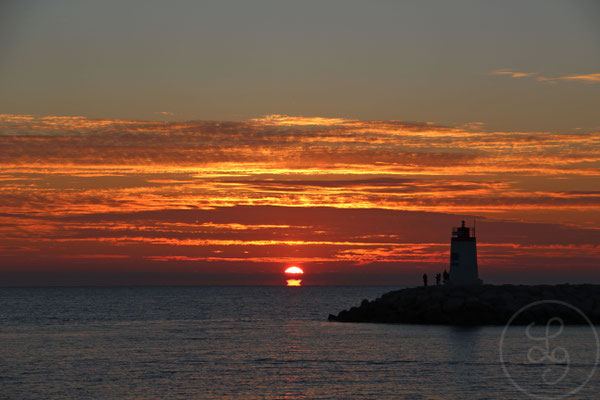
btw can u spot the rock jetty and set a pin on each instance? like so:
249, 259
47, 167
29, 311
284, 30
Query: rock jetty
478, 305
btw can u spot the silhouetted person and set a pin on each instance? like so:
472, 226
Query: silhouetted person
438, 278
425, 280
446, 276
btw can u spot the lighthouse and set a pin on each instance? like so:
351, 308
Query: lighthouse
463, 257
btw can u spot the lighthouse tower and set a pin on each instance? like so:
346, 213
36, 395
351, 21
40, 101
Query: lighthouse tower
463, 257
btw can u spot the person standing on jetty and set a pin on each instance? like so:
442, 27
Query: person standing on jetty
438, 278
425, 280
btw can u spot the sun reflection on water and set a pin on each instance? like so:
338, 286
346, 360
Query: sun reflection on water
294, 282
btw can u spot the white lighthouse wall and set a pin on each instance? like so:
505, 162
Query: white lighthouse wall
463, 263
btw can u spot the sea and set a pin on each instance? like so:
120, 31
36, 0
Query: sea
268, 343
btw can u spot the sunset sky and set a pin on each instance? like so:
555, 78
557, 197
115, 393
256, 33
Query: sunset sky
196, 142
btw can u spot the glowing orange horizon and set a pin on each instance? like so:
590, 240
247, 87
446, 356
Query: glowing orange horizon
280, 191
294, 282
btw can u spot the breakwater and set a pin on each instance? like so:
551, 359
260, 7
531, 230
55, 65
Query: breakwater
478, 305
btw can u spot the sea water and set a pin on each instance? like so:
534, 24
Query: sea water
256, 343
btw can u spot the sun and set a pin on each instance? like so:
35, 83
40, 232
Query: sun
294, 270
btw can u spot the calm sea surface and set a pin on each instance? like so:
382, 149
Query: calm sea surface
259, 343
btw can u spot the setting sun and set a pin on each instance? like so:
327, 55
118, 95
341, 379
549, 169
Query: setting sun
294, 270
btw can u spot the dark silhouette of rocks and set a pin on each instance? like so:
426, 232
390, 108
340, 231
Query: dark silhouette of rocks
477, 305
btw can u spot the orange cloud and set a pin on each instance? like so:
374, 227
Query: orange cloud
587, 78
590, 78
513, 74
285, 188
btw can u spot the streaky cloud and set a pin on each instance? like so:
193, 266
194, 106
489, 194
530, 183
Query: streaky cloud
586, 78
333, 193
